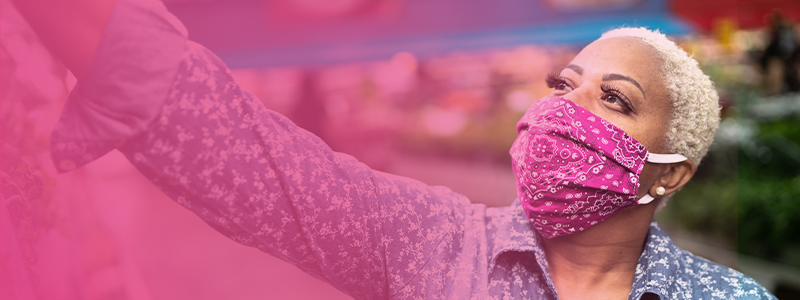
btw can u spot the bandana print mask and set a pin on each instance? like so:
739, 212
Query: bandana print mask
575, 169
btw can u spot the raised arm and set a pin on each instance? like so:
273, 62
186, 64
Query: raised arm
173, 108
71, 30
262, 181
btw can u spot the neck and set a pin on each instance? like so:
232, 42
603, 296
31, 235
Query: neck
600, 262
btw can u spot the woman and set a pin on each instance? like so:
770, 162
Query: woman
628, 120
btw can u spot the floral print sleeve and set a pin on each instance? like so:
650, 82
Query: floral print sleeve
262, 181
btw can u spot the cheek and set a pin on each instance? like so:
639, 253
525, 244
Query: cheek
655, 124
655, 137
651, 132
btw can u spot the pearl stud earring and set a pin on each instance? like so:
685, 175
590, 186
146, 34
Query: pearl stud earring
660, 191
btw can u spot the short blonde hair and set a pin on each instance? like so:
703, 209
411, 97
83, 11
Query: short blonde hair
695, 103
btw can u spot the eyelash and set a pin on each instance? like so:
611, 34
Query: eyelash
554, 80
609, 89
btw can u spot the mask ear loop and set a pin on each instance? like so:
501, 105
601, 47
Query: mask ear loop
665, 158
646, 199
660, 159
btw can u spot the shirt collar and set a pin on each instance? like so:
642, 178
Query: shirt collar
509, 230
658, 265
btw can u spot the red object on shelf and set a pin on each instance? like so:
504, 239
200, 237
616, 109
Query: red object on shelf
746, 13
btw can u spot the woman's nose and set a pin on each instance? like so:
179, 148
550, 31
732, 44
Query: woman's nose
583, 97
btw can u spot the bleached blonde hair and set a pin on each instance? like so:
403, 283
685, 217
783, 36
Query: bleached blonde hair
695, 103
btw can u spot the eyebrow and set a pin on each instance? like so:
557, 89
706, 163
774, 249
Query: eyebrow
575, 68
613, 76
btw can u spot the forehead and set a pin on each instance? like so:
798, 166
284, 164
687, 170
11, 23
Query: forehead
621, 53
627, 56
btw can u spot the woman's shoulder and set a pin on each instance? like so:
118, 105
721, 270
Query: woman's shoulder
681, 274
716, 279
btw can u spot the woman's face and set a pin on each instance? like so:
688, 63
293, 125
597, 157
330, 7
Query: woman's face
619, 79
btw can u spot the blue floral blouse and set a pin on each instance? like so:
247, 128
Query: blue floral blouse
173, 108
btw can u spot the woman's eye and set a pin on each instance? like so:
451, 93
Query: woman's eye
555, 81
615, 97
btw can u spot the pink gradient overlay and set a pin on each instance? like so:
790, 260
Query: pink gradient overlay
103, 230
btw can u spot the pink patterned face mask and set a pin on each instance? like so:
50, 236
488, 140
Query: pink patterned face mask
575, 169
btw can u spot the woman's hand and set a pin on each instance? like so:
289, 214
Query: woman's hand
70, 29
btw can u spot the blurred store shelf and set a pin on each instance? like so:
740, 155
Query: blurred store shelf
775, 107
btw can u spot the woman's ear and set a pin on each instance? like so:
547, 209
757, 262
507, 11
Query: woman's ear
674, 177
